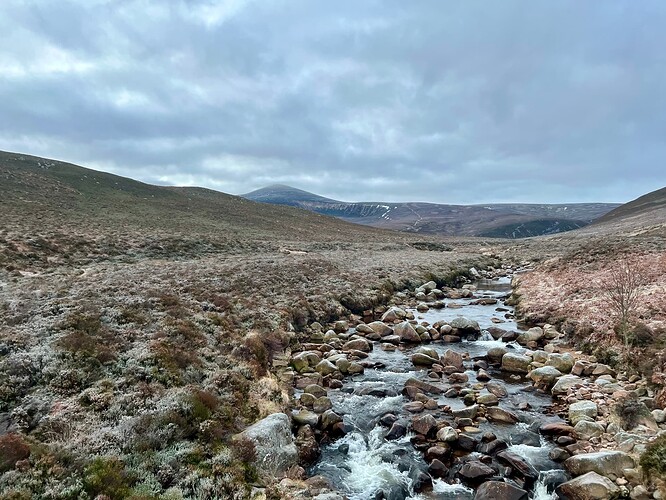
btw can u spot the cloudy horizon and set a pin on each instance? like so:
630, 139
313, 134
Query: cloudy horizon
445, 102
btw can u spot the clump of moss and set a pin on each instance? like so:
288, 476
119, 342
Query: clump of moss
653, 460
108, 476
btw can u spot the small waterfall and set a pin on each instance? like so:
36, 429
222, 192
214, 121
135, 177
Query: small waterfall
370, 465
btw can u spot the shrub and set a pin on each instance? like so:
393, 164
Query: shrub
107, 476
653, 460
630, 411
12, 449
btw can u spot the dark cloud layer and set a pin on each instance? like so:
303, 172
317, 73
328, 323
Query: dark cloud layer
459, 102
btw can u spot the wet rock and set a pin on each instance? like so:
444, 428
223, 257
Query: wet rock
381, 328
515, 363
394, 314
465, 326
274, 444
458, 378
607, 463
487, 399
308, 379
558, 455
447, 434
303, 417
424, 386
414, 407
437, 468
451, 339
497, 389
322, 404
406, 332
424, 424
355, 368
590, 486
422, 307
325, 367
468, 412
482, 376
357, 345
343, 365
565, 383
364, 329
492, 447
452, 358
392, 339
498, 414
438, 453
420, 480
526, 437
509, 336
497, 490
307, 399
316, 390
519, 465
329, 418
306, 442
340, 326
388, 420
421, 359
545, 377
398, 430
496, 333
556, 429
582, 409
465, 442
475, 471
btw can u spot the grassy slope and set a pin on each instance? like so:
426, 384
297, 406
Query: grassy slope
137, 323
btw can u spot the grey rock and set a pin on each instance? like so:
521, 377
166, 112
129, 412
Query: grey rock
607, 463
590, 486
274, 444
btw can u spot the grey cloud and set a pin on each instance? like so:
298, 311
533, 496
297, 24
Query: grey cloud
458, 102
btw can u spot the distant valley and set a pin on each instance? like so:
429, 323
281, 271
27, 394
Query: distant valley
513, 221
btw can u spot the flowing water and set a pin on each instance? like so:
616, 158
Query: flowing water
363, 465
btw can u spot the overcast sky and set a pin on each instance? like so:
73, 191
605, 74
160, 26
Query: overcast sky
425, 100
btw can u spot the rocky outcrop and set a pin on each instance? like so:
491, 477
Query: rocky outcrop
607, 463
274, 444
590, 486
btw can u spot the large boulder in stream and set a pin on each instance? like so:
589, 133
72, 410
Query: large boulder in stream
590, 486
406, 332
516, 363
452, 358
274, 444
424, 424
497, 490
545, 376
607, 463
381, 328
394, 314
466, 326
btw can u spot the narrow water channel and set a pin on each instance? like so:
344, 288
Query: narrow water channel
364, 465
